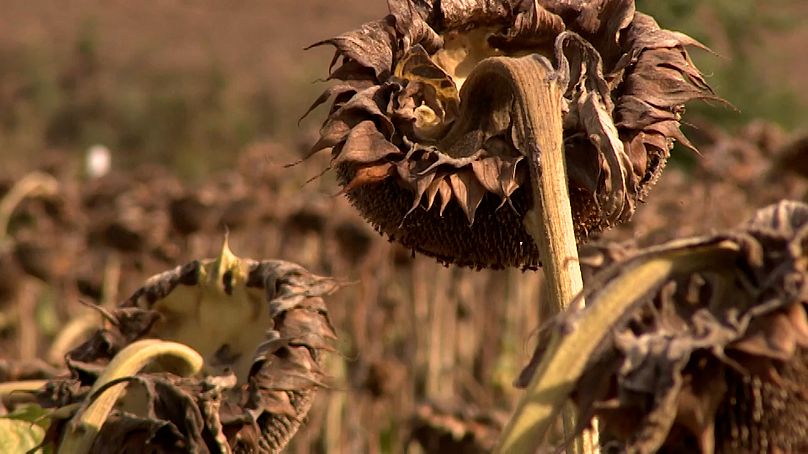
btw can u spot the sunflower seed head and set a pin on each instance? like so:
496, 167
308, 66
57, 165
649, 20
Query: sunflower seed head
425, 151
261, 327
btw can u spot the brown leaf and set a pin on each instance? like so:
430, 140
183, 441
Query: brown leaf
710, 353
372, 103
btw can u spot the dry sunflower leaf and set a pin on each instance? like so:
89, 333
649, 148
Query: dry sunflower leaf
260, 328
441, 126
714, 356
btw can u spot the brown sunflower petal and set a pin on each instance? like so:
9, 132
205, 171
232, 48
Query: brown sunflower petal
636, 114
440, 186
594, 16
336, 91
488, 171
371, 46
533, 28
316, 332
775, 335
464, 14
369, 174
354, 72
638, 153
603, 134
409, 19
665, 80
508, 178
365, 144
334, 132
371, 102
420, 184
591, 109
468, 192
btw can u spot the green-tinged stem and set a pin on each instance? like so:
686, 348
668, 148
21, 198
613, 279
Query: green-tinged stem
567, 355
85, 425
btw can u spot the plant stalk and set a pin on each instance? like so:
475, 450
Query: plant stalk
538, 133
86, 423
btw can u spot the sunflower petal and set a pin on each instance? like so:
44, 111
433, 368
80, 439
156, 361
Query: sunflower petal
468, 192
365, 144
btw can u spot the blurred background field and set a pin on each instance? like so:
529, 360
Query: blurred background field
198, 102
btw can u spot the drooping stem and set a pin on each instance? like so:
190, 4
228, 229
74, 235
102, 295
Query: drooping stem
535, 92
86, 423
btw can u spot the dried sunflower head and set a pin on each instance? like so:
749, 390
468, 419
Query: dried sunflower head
260, 326
715, 356
423, 142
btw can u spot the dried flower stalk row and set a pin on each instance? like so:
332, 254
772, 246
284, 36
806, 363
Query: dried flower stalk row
261, 328
712, 357
427, 151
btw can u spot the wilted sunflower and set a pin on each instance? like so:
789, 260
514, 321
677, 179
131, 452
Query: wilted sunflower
714, 357
422, 130
259, 329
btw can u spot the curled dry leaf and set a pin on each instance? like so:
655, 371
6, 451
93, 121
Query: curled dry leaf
261, 327
427, 149
714, 359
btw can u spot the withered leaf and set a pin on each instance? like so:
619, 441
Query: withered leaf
421, 183
715, 351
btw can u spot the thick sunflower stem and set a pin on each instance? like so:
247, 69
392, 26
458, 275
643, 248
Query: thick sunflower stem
538, 131
87, 422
